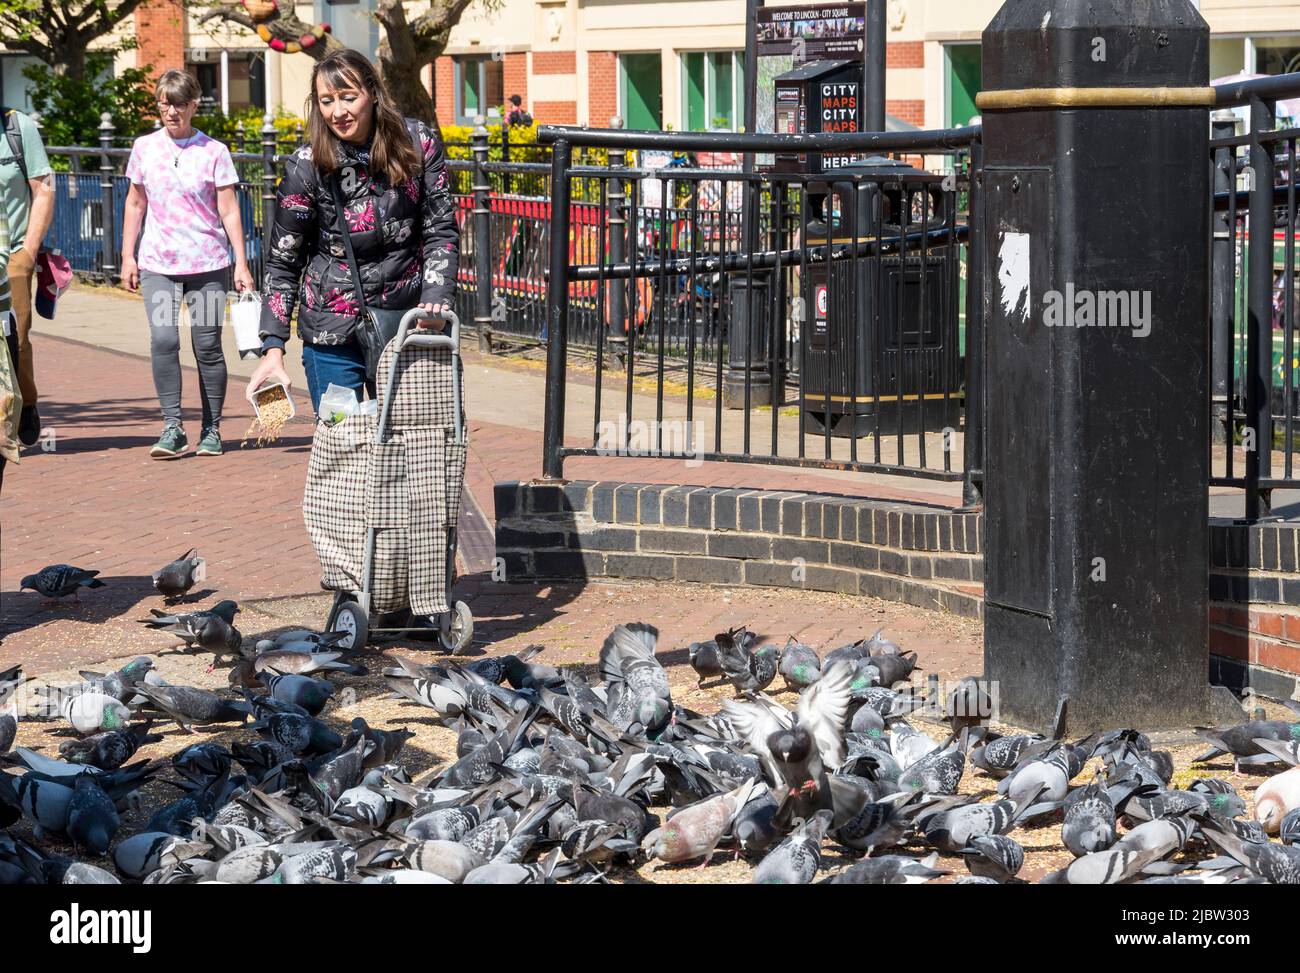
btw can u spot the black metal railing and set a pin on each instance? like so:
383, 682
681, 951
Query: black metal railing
1255, 377
774, 317
501, 286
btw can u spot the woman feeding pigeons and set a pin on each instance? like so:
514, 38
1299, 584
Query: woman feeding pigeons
364, 221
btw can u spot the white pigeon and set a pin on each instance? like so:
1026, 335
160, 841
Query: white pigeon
94, 712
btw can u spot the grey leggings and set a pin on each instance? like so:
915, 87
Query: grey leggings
205, 296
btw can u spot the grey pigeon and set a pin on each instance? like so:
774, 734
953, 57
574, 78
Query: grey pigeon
754, 829
120, 684
748, 670
190, 627
890, 870
1089, 824
200, 762
1044, 779
994, 856
998, 756
304, 663
955, 828
449, 859
92, 817
596, 842
802, 786
796, 860
1289, 830
8, 731
639, 701
1172, 803
479, 766
110, 749
862, 823
146, 852
190, 706
908, 744
938, 772
60, 581
310, 694
968, 705
1278, 864
893, 667
177, 578
1239, 741
43, 802
388, 743
496, 668
298, 732
705, 660
799, 665
335, 863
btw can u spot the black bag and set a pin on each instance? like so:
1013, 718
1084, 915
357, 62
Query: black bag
378, 326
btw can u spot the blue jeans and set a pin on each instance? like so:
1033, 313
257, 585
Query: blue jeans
342, 365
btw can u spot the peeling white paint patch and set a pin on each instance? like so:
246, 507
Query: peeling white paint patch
1047, 19
1013, 275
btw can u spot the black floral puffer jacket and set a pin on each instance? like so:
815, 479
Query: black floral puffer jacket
405, 239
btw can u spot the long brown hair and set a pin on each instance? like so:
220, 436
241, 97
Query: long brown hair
391, 152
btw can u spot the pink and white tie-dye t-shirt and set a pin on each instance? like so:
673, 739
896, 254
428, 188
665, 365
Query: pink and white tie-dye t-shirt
183, 233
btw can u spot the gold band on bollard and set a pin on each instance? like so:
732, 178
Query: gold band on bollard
1095, 98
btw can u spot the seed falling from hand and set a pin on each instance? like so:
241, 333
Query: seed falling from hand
273, 411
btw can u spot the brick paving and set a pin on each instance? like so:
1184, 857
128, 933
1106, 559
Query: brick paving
96, 499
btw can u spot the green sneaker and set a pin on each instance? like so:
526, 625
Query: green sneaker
209, 443
170, 444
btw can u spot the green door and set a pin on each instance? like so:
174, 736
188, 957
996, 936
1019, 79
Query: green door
965, 62
642, 83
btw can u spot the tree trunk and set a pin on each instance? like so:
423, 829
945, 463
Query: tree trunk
402, 53
68, 60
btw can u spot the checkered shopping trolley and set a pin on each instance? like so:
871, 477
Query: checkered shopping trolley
383, 494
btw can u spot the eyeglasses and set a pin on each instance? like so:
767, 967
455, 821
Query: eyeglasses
178, 106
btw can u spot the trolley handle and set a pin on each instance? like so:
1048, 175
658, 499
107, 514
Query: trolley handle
403, 340
414, 340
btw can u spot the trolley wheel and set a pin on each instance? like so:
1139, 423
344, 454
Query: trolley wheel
351, 618
456, 628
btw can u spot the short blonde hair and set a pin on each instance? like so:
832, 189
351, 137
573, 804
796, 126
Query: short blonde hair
177, 87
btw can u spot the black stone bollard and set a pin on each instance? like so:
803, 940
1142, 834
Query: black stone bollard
1096, 295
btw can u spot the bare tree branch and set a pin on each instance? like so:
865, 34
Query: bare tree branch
106, 19
234, 15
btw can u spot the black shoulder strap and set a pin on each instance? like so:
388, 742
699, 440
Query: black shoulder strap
15, 136
347, 240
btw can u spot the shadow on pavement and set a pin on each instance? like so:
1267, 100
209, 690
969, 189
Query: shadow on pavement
502, 610
24, 610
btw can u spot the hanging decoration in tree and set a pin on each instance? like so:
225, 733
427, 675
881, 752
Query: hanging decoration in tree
262, 11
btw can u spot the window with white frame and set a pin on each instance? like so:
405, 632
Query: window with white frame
1257, 54
713, 90
480, 86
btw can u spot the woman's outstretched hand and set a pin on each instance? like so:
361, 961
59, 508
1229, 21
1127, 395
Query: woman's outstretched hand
269, 371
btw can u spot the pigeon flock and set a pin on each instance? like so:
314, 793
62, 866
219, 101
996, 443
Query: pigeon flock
559, 778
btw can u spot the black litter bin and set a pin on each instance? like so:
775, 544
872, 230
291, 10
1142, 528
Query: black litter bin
855, 371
